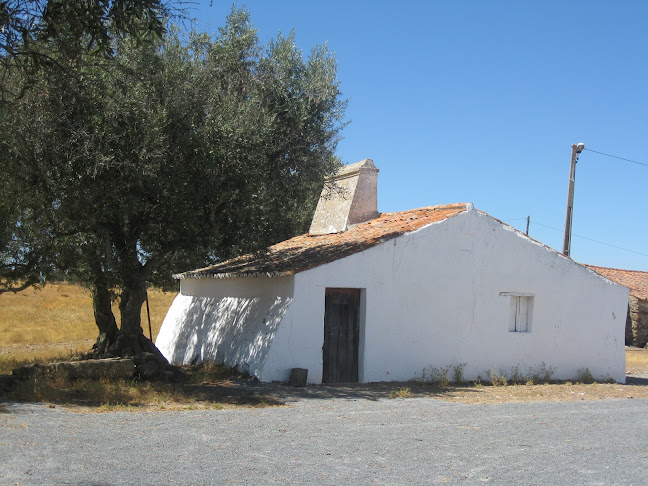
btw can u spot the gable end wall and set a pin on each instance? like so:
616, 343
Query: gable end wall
432, 300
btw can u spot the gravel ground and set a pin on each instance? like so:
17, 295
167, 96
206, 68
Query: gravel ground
331, 441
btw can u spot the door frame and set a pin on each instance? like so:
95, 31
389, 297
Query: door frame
361, 313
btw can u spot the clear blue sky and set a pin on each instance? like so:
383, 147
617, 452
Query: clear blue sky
474, 101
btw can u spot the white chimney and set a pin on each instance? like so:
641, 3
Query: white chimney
349, 197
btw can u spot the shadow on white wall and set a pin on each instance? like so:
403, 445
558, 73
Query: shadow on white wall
235, 331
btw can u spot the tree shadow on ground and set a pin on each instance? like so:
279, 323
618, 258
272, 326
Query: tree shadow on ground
239, 392
221, 388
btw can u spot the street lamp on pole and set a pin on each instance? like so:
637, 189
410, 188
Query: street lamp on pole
576, 150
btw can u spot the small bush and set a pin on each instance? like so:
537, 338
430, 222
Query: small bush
516, 376
497, 378
585, 376
543, 375
458, 376
439, 376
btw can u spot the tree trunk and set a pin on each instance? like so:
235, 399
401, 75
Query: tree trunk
104, 318
103, 314
131, 340
130, 310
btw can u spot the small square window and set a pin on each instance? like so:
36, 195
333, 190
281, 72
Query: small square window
521, 311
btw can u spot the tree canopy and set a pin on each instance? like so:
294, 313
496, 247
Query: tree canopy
183, 152
36, 34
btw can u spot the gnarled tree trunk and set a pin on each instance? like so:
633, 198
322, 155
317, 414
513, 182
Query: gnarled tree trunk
103, 314
131, 340
105, 320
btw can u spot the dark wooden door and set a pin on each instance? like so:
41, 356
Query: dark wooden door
341, 335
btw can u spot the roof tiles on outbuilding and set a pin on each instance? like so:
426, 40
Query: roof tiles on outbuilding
635, 280
309, 251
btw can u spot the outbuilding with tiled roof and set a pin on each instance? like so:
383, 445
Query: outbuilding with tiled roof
368, 296
636, 333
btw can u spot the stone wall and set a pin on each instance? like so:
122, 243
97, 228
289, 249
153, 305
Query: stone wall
637, 322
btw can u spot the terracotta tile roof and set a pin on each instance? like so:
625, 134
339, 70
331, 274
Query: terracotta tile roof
635, 280
309, 251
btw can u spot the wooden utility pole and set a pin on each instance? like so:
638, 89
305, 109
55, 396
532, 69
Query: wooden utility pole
576, 150
148, 314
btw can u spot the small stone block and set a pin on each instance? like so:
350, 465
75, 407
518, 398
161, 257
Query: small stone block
298, 377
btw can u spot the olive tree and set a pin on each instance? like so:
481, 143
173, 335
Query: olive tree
185, 152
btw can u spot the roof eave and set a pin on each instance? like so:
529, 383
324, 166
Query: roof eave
222, 276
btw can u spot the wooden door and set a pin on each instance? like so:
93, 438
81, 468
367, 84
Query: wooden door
341, 335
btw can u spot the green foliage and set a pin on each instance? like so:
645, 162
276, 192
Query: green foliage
176, 154
37, 37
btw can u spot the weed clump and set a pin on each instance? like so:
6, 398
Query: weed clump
458, 376
585, 376
441, 376
497, 378
403, 392
543, 375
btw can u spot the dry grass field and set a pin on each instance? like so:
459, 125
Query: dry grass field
636, 361
56, 323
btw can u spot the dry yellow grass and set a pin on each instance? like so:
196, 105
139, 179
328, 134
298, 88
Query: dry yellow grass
106, 395
636, 360
62, 313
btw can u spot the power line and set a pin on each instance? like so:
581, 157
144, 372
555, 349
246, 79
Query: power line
616, 157
595, 241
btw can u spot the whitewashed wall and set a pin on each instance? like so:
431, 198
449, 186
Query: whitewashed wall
433, 300
229, 321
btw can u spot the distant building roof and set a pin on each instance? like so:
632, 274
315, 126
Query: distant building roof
635, 280
309, 251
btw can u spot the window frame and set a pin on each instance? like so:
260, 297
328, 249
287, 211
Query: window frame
520, 311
